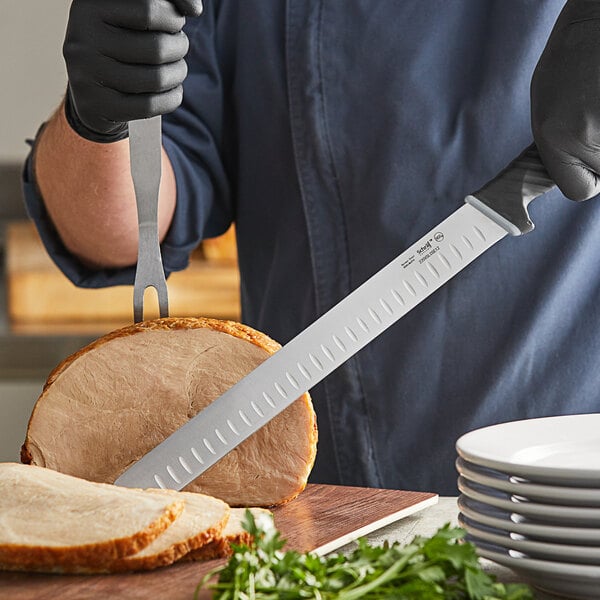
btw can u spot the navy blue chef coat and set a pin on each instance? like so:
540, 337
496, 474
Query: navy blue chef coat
335, 134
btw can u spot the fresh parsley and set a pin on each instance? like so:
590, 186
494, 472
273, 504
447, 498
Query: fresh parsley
442, 567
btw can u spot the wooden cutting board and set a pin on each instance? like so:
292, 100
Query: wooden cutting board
322, 518
42, 300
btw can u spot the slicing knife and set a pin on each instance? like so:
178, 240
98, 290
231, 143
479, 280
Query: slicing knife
497, 209
145, 147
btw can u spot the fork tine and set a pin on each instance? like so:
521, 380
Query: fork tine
149, 273
138, 304
138, 301
163, 300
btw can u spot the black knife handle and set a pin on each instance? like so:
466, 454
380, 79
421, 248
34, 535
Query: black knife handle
506, 197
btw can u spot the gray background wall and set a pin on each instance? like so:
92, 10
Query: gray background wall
32, 73
32, 83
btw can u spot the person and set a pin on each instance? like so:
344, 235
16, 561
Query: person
335, 134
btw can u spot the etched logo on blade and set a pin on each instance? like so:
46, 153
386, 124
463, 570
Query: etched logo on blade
438, 237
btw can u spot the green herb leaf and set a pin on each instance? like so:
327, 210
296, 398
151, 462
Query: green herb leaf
442, 567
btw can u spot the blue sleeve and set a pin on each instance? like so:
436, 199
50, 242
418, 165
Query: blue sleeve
192, 137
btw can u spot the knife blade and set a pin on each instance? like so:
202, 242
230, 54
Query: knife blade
497, 209
145, 148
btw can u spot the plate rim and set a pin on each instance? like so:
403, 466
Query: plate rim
532, 509
524, 469
525, 528
512, 544
566, 493
536, 565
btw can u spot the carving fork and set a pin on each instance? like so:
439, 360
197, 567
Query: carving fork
145, 156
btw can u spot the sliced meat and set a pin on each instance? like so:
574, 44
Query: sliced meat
51, 522
234, 533
201, 523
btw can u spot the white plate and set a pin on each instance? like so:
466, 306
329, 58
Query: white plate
580, 582
561, 450
589, 555
500, 519
548, 494
546, 513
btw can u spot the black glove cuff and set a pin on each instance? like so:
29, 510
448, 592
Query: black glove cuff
120, 132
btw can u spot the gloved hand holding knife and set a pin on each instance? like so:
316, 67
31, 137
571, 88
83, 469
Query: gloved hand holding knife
565, 101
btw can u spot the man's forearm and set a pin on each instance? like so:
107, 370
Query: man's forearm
89, 195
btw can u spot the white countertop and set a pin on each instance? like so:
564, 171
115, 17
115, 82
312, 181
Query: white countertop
426, 523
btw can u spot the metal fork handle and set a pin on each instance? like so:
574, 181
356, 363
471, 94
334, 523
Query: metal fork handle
145, 160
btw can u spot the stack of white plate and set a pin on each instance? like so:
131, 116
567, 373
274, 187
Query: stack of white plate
530, 500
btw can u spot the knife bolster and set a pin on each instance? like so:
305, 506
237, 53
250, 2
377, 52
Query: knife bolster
498, 217
506, 197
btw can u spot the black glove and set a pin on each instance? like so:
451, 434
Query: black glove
565, 101
125, 61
